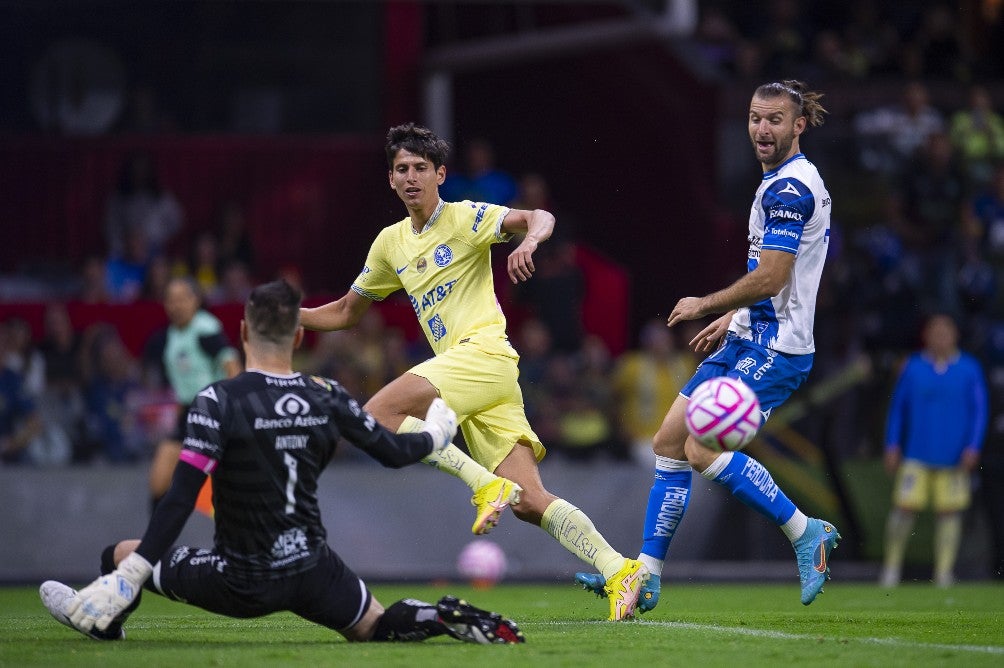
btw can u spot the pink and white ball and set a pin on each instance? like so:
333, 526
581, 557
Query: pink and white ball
723, 414
482, 562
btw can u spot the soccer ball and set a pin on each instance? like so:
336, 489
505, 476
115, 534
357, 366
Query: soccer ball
482, 562
723, 414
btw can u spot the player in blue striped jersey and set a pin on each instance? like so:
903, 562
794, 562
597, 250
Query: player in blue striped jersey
764, 338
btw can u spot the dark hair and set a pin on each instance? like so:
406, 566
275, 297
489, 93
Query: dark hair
272, 311
418, 140
806, 101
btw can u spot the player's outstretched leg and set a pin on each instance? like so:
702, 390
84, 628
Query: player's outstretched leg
490, 501
56, 596
470, 624
492, 493
812, 549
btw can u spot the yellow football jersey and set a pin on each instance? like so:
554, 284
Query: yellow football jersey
445, 269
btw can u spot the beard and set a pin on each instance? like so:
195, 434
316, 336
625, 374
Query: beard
782, 146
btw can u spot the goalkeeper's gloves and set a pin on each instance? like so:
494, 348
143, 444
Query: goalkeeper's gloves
441, 424
99, 603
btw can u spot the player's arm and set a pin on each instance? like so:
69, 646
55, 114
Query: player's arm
340, 314
392, 450
537, 226
217, 346
765, 281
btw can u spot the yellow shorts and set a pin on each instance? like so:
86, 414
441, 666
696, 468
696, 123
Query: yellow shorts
479, 380
917, 485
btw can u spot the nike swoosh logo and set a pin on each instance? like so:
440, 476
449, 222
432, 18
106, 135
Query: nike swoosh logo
820, 564
401, 270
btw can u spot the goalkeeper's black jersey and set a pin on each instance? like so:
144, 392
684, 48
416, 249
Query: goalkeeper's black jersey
265, 439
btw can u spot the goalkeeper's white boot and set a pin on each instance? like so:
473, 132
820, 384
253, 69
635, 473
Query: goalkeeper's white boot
56, 596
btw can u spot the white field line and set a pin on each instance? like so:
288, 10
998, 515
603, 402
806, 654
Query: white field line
781, 635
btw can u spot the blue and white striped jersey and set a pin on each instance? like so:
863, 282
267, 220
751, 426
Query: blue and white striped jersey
790, 213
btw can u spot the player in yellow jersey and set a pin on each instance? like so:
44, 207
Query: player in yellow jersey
441, 256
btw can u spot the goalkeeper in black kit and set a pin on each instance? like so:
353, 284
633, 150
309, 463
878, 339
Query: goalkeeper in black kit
265, 436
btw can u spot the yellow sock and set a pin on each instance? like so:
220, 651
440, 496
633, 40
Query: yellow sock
898, 526
576, 533
947, 536
452, 459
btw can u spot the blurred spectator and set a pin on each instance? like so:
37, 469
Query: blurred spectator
112, 379
333, 356
480, 180
192, 352
717, 38
939, 45
785, 38
94, 282
890, 136
558, 287
934, 190
203, 264
19, 419
983, 230
646, 381
235, 284
125, 274
935, 430
140, 203
869, 39
534, 346
24, 358
234, 239
156, 278
61, 406
977, 134
836, 58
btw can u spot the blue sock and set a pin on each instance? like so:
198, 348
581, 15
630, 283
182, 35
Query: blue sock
667, 501
752, 484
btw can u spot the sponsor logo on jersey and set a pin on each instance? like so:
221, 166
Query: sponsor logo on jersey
179, 555
789, 187
289, 422
443, 255
209, 393
285, 382
289, 546
429, 299
745, 365
365, 270
784, 214
765, 367
401, 270
437, 327
421, 265
781, 232
291, 442
480, 215
291, 404
195, 417
199, 444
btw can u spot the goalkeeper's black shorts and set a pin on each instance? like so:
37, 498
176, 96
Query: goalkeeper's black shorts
329, 594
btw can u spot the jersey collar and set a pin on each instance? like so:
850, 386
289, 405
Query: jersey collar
295, 374
432, 219
772, 173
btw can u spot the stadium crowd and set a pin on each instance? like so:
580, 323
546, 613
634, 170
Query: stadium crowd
923, 232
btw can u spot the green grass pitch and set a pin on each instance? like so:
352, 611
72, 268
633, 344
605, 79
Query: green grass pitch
702, 625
